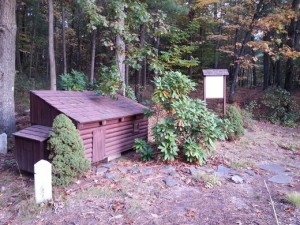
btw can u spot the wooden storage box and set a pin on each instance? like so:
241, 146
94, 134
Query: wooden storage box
31, 146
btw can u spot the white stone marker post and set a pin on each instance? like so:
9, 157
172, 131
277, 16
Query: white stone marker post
3, 143
42, 181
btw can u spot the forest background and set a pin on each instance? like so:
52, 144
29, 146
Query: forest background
258, 41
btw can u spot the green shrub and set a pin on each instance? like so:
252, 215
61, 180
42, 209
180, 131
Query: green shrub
110, 82
165, 136
236, 123
193, 151
74, 81
66, 151
281, 108
172, 87
143, 149
190, 127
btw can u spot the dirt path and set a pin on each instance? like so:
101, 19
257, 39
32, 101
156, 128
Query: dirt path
129, 191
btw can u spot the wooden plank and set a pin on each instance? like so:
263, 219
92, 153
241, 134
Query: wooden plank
125, 136
34, 133
90, 145
87, 136
121, 147
88, 141
113, 130
98, 144
30, 137
119, 142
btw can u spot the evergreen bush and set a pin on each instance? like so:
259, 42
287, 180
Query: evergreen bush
66, 151
234, 117
281, 108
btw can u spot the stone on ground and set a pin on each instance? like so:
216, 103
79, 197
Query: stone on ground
273, 168
237, 179
281, 179
110, 176
170, 182
101, 170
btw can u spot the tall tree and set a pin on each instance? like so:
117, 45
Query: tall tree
51, 47
7, 65
292, 37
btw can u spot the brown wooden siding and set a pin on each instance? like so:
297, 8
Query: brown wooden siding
116, 137
41, 112
29, 152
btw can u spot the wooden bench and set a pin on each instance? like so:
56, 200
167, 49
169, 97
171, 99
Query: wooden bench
31, 146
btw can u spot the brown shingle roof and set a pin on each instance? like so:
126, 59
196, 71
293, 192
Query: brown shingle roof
87, 107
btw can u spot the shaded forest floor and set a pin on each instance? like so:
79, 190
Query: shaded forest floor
129, 191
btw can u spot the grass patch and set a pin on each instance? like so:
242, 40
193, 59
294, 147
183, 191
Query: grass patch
96, 192
241, 164
293, 198
210, 180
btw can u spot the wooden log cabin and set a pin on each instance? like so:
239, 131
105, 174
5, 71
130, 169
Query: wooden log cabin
107, 126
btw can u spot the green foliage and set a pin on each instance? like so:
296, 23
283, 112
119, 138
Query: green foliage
193, 151
171, 87
66, 151
74, 81
130, 93
191, 126
281, 108
110, 82
235, 122
143, 149
165, 136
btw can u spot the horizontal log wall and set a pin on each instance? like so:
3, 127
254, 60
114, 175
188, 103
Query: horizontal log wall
119, 135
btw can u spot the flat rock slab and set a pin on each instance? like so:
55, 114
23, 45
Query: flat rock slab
170, 182
250, 172
237, 179
147, 171
108, 165
110, 176
123, 169
134, 170
101, 170
281, 179
273, 168
223, 170
167, 169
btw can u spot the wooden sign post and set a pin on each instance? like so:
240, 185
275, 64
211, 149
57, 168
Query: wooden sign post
215, 85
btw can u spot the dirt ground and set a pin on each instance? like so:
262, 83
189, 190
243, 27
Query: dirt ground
142, 196
129, 191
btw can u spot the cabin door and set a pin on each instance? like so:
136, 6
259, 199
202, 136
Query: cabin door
98, 144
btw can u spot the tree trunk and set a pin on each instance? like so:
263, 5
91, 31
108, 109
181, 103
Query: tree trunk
278, 73
259, 10
266, 71
18, 54
7, 65
64, 38
141, 63
292, 38
51, 47
120, 51
92, 74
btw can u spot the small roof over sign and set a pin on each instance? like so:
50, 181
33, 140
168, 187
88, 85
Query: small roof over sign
215, 72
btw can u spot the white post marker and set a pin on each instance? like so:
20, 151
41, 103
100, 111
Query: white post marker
3, 143
42, 181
